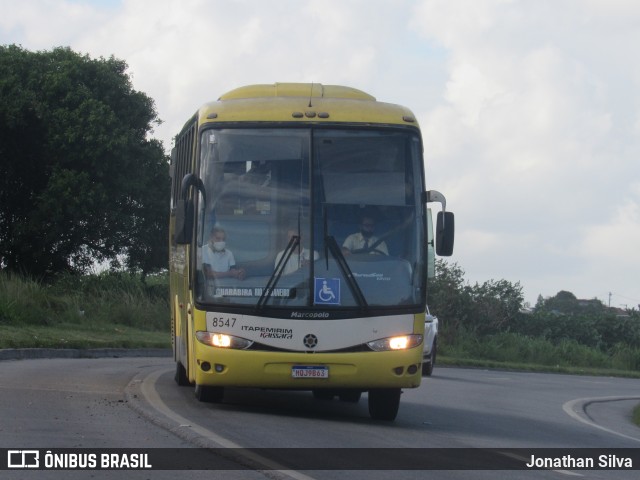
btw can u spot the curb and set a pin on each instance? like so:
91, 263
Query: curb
33, 353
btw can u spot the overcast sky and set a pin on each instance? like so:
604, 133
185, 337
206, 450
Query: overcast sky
530, 110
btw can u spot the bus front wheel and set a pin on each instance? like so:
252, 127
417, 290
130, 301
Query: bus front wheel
205, 393
181, 375
384, 403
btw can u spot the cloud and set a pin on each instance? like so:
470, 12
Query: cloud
47, 24
535, 124
186, 53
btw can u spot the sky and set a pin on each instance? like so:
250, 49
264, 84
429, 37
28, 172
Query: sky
530, 110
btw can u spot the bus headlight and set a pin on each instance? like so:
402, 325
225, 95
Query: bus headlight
223, 340
402, 342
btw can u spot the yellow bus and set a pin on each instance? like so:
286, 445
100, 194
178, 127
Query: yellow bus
300, 245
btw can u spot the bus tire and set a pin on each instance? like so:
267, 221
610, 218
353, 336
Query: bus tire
208, 394
384, 403
181, 375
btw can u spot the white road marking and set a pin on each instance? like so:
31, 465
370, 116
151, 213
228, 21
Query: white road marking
574, 407
148, 390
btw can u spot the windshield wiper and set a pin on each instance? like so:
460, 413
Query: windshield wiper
277, 272
332, 245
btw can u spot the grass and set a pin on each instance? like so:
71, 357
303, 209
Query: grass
534, 367
636, 415
522, 352
70, 336
97, 311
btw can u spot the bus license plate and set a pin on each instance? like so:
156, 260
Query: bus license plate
307, 371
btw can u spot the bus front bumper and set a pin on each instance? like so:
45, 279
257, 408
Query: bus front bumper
359, 370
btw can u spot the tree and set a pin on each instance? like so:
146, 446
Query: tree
496, 304
80, 181
567, 303
483, 308
449, 298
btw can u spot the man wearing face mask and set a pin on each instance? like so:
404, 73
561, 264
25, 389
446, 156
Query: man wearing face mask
365, 241
217, 259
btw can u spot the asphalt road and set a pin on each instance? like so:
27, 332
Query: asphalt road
134, 403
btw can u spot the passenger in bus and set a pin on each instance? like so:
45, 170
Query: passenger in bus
300, 257
217, 259
363, 240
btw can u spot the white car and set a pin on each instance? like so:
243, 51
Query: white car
430, 343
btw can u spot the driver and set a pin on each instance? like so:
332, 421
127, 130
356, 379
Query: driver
365, 239
217, 259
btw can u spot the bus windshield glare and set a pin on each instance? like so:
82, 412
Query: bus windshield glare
296, 218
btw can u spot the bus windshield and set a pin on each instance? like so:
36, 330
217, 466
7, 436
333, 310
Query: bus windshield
310, 218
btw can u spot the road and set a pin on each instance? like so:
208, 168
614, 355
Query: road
134, 403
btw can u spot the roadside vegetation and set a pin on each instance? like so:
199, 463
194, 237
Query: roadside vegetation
480, 325
487, 325
117, 310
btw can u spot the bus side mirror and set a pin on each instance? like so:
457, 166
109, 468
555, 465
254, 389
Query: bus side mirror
184, 222
185, 208
445, 229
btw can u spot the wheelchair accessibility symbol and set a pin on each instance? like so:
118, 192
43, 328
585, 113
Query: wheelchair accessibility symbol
327, 291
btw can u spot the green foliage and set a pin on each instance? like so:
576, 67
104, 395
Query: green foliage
25, 301
482, 308
566, 303
636, 415
602, 332
81, 336
96, 300
509, 347
79, 179
486, 322
625, 357
496, 303
449, 297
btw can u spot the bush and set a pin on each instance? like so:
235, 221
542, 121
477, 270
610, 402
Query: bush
523, 349
602, 332
26, 301
624, 357
108, 298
